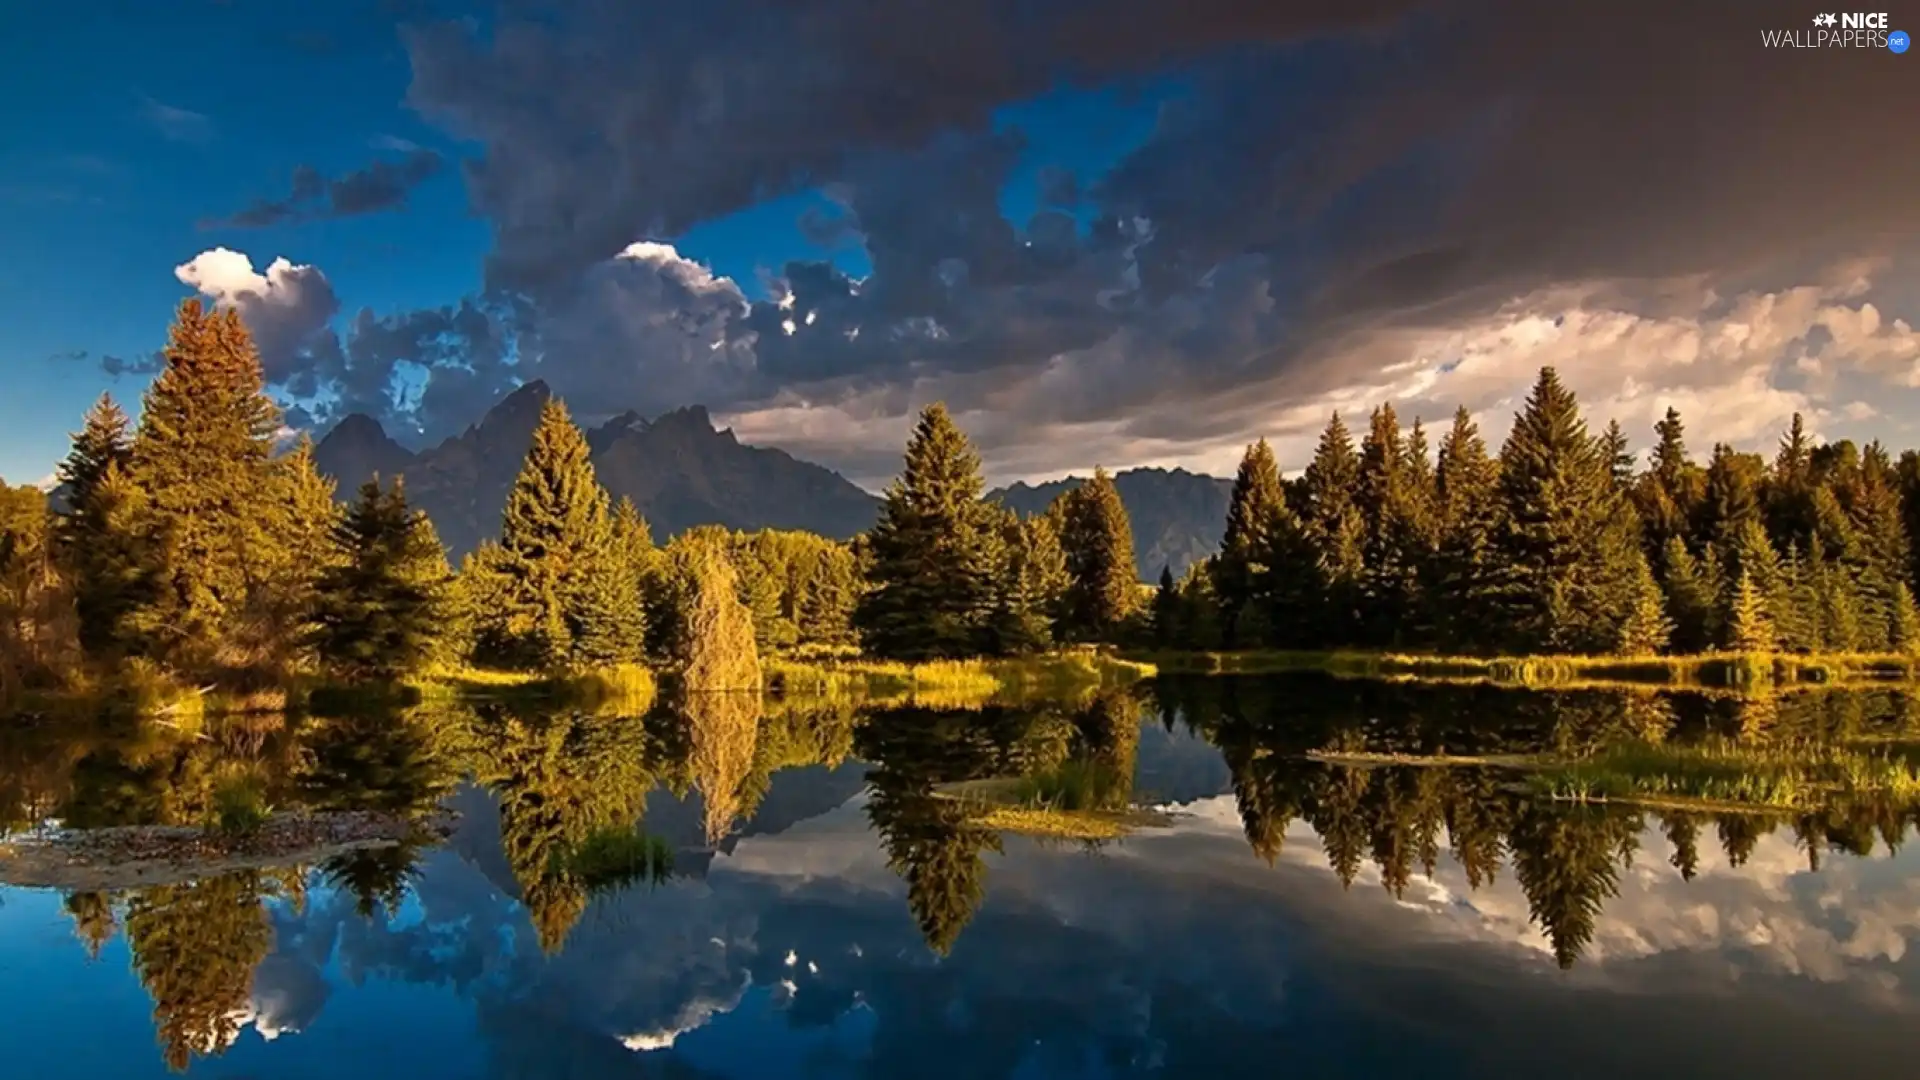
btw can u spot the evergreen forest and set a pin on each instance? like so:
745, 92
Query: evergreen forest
197, 548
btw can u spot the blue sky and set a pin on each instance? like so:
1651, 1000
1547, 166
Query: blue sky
149, 127
1274, 214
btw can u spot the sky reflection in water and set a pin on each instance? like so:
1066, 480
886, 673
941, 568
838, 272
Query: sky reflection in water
794, 948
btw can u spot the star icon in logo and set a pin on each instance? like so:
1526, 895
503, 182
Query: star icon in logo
1824, 20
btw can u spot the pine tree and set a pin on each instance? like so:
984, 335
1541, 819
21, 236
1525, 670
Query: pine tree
1881, 554
105, 543
1387, 576
201, 456
1789, 508
1240, 563
1732, 496
1566, 537
1029, 584
1166, 610
382, 603
1667, 494
102, 443
1797, 622
569, 598
1692, 598
1199, 610
1748, 627
828, 604
1288, 594
933, 550
298, 549
633, 538
1098, 540
1647, 628
1413, 530
118, 574
1463, 572
1903, 629
1840, 609
1751, 555
1613, 445
606, 621
1336, 529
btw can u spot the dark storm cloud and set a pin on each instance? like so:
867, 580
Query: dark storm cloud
605, 121
383, 185
1322, 173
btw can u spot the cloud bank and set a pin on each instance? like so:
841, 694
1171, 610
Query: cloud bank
1337, 204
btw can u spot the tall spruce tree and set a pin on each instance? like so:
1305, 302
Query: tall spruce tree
826, 607
1166, 610
201, 456
1413, 534
300, 517
1647, 628
1732, 496
1104, 588
1692, 598
1751, 558
1245, 545
1667, 495
933, 550
569, 599
1903, 622
1465, 568
101, 443
1749, 629
1797, 623
1840, 614
1336, 529
1031, 588
381, 605
1566, 537
116, 565
1613, 445
1881, 553
1387, 573
1789, 495
105, 542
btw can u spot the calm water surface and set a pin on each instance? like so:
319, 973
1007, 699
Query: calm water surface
793, 891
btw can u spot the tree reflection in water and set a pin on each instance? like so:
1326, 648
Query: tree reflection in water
1391, 779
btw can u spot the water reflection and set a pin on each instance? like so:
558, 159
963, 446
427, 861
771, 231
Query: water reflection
913, 889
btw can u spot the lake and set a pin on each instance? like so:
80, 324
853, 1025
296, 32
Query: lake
1191, 878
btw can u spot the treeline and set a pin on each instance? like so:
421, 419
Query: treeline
186, 548
1559, 545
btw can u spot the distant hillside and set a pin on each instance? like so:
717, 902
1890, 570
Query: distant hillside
1177, 516
677, 469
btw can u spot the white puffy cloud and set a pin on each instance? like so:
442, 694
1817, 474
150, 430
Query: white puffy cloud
287, 308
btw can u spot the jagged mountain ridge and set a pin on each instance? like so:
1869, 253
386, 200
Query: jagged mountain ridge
1177, 515
677, 469
682, 472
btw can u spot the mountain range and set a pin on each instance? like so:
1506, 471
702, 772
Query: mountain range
1177, 515
682, 472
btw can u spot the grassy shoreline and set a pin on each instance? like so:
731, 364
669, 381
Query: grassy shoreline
980, 680
1708, 670
142, 692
